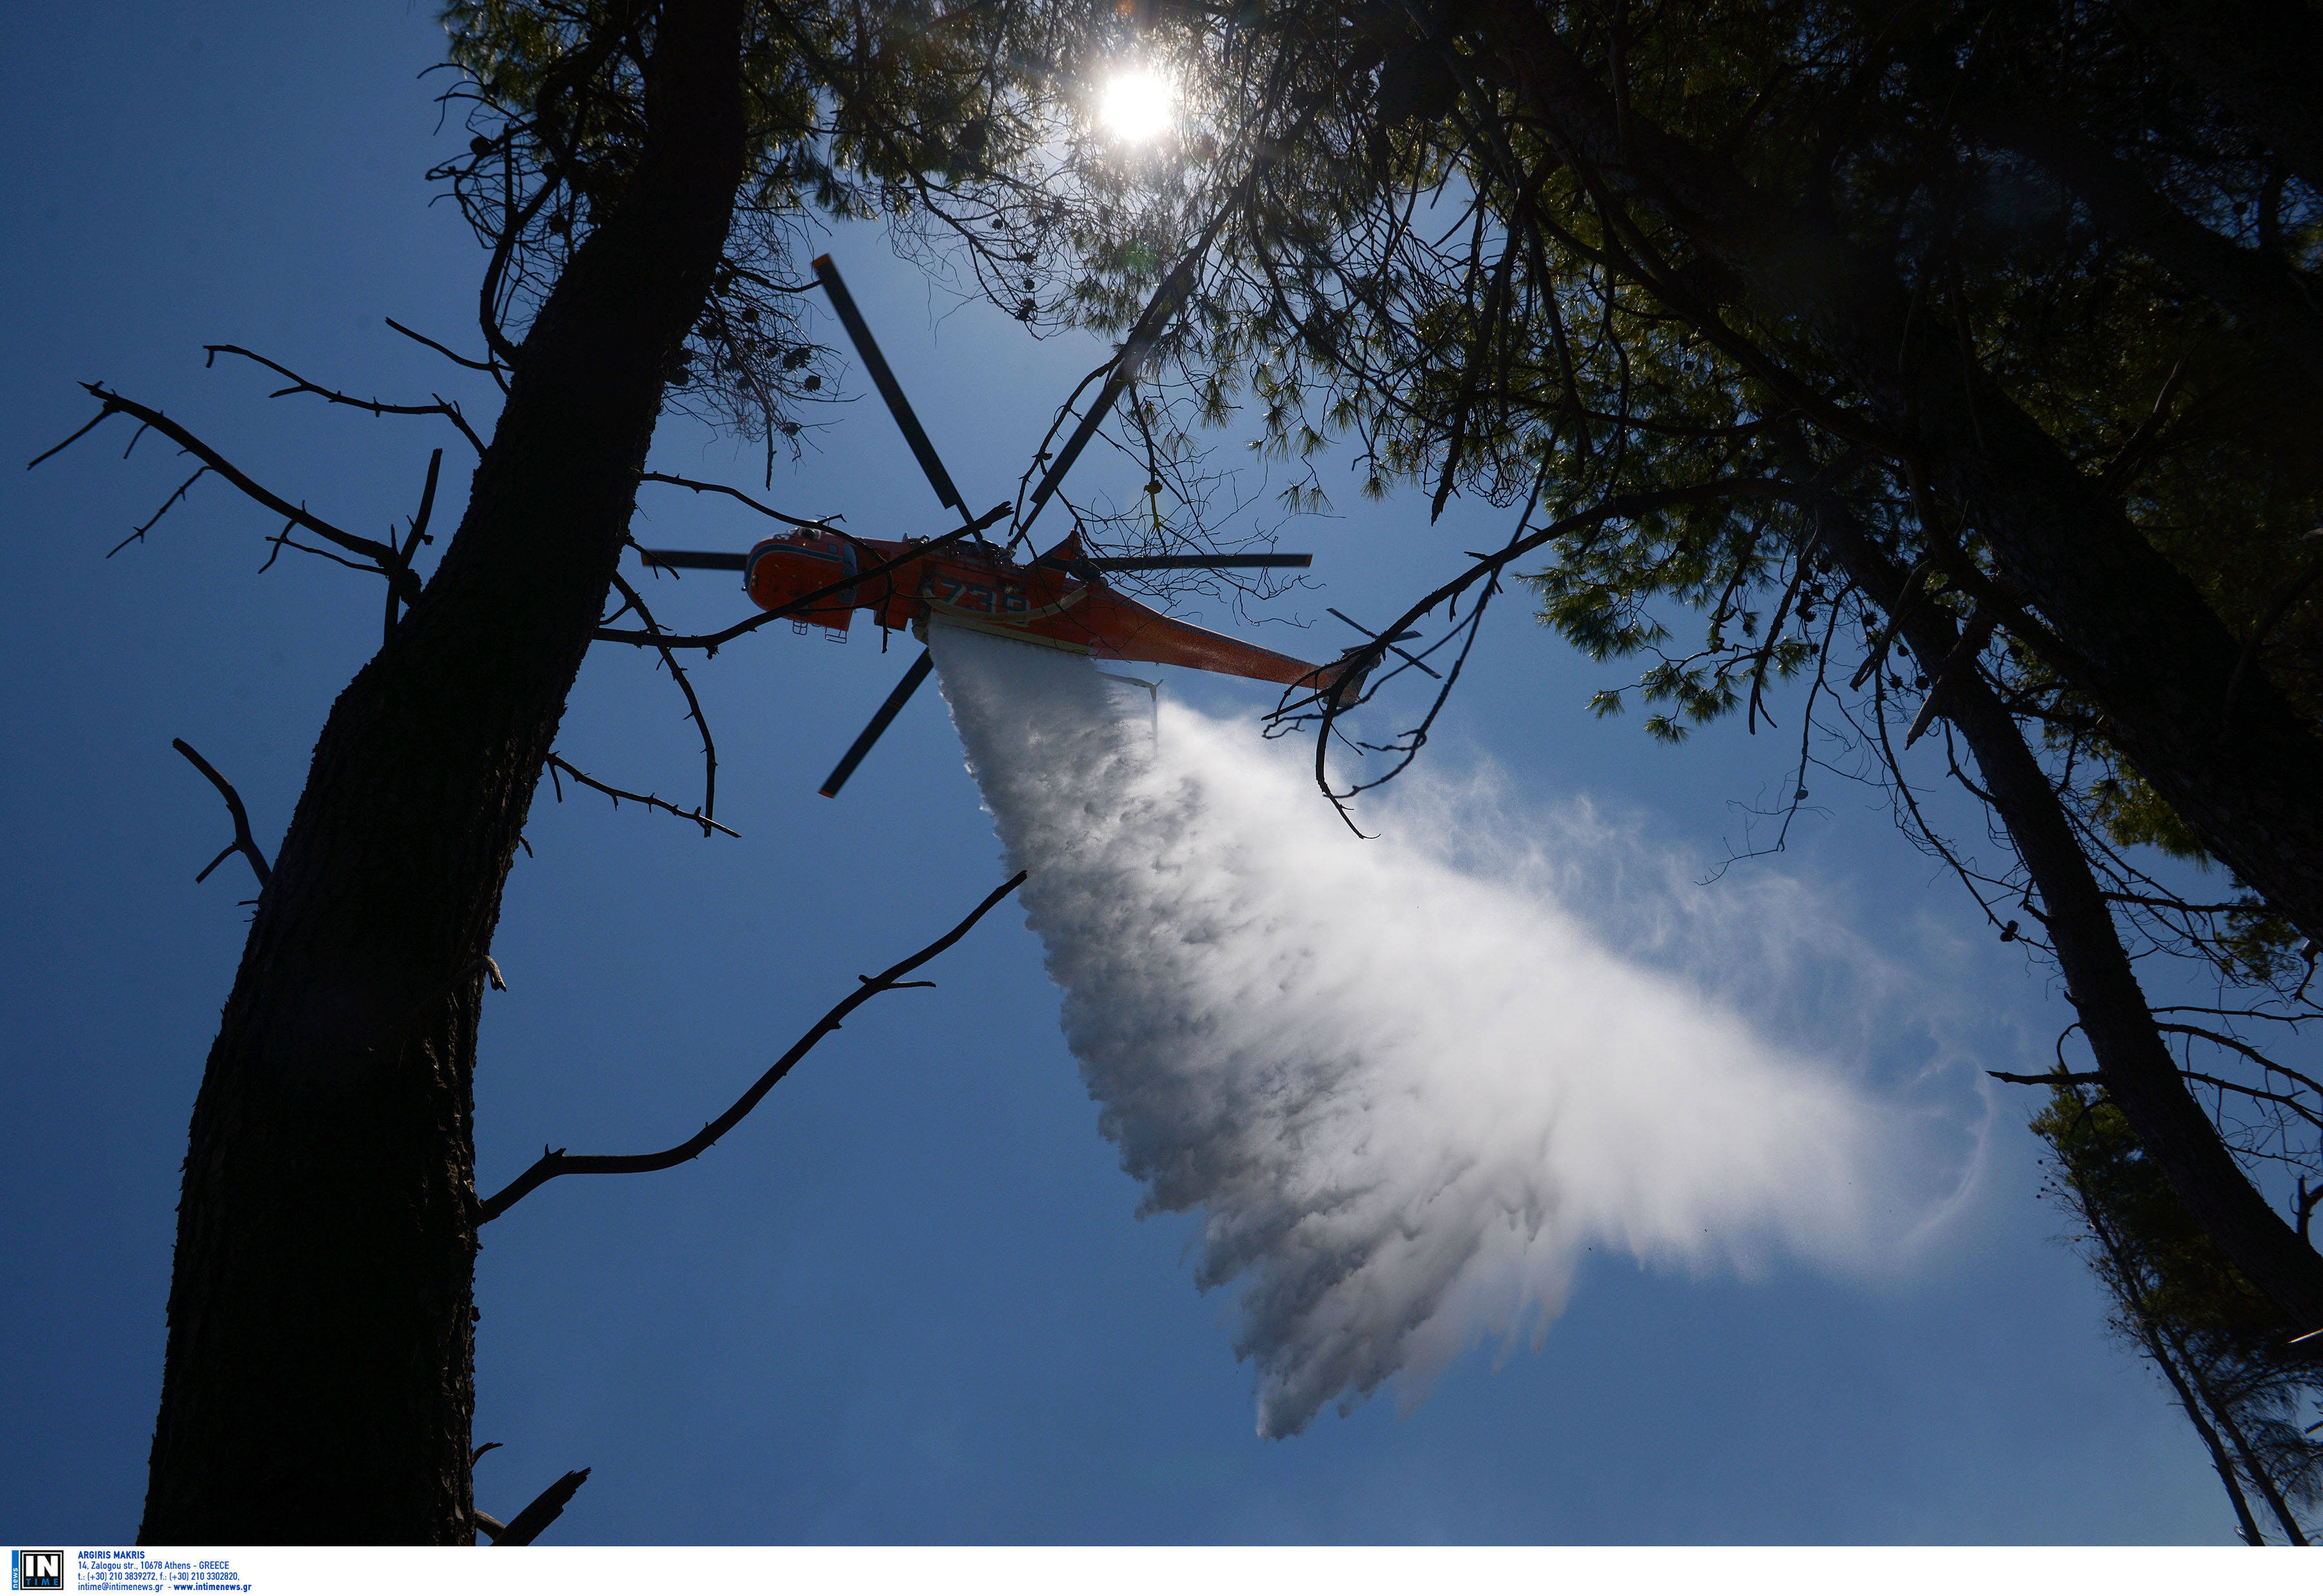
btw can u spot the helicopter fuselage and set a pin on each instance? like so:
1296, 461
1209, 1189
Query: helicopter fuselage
977, 586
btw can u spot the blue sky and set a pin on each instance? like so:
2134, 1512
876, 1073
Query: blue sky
908, 1300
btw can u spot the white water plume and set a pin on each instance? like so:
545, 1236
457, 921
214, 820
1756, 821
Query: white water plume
1402, 1095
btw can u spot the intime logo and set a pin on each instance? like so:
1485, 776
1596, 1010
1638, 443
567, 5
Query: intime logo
36, 1571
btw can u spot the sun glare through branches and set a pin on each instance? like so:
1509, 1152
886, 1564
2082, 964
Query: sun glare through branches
1136, 104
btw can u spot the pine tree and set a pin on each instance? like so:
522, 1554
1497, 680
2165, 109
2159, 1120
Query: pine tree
2191, 1314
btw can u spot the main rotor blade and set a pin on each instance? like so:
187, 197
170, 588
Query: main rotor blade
879, 722
1126, 367
1182, 562
688, 559
882, 379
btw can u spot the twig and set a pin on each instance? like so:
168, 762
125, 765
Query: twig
692, 704
82, 433
138, 536
1764, 656
1334, 699
2260, 1094
552, 1164
417, 536
382, 554
2252, 1014
242, 841
1896, 617
490, 368
2236, 1044
764, 509
518, 218
2178, 905
282, 540
442, 407
558, 762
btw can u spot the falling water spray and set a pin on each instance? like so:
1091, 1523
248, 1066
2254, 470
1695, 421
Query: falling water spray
1401, 1097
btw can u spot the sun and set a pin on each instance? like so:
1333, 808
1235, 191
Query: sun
1136, 105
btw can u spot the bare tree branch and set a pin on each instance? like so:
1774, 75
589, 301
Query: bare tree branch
415, 537
542, 1511
492, 369
692, 704
551, 1164
79, 434
2234, 1044
383, 555
138, 534
764, 509
2293, 1103
1334, 699
558, 762
442, 407
242, 841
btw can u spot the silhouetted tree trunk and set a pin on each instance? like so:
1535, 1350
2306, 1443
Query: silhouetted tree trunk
2138, 1073
2133, 633
319, 1384
2074, 578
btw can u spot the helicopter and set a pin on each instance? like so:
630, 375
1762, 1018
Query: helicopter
821, 576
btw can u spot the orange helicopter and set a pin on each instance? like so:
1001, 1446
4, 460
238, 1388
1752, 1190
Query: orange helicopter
1060, 601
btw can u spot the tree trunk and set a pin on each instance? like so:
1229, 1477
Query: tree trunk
2133, 1063
2158, 1351
2142, 644
2254, 1466
318, 1383
2269, 303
